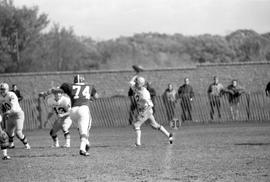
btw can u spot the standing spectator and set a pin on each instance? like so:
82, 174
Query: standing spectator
234, 93
267, 89
153, 94
169, 99
186, 94
215, 90
17, 92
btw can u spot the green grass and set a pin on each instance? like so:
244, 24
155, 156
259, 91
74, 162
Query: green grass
220, 152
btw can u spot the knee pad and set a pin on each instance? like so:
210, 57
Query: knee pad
84, 136
135, 127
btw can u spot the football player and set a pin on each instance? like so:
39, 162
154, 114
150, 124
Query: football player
144, 110
13, 114
61, 105
81, 94
3, 142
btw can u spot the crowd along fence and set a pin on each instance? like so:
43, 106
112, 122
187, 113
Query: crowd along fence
115, 111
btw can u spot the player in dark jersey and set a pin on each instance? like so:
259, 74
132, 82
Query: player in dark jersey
80, 94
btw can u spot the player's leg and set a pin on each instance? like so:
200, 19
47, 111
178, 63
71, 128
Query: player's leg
19, 121
140, 119
66, 123
84, 126
212, 105
4, 144
10, 130
183, 115
57, 125
161, 128
218, 104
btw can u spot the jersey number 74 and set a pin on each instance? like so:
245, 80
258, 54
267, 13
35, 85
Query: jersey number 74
81, 91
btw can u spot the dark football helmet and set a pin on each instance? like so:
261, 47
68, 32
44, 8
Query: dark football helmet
78, 79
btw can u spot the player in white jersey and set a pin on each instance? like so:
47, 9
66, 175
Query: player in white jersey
3, 141
144, 106
13, 115
61, 105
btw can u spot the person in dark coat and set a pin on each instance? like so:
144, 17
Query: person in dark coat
169, 100
17, 92
186, 94
214, 92
234, 92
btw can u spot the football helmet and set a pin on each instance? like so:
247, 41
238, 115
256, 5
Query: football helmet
57, 90
78, 79
139, 82
4, 88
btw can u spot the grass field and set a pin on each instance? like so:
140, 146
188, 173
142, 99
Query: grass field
212, 152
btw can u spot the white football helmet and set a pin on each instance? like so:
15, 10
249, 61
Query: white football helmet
139, 82
4, 88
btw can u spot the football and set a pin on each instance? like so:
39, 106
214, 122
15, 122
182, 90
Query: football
137, 68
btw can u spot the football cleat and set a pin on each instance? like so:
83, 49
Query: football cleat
171, 138
6, 157
66, 146
137, 145
84, 153
55, 145
11, 145
27, 146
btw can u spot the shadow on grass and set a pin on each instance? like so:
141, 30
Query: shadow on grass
252, 144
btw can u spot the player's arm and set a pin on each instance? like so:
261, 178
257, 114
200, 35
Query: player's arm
132, 81
94, 94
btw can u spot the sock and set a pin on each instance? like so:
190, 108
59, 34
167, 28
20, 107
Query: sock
164, 131
24, 140
138, 136
83, 143
67, 138
4, 152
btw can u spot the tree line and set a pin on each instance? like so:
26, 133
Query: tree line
25, 47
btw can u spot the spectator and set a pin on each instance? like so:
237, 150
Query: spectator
169, 100
186, 94
267, 89
153, 94
234, 93
17, 92
215, 91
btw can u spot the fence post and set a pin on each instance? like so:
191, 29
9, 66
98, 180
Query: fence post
39, 107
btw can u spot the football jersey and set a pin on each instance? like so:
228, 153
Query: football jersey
10, 102
61, 106
142, 94
80, 94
